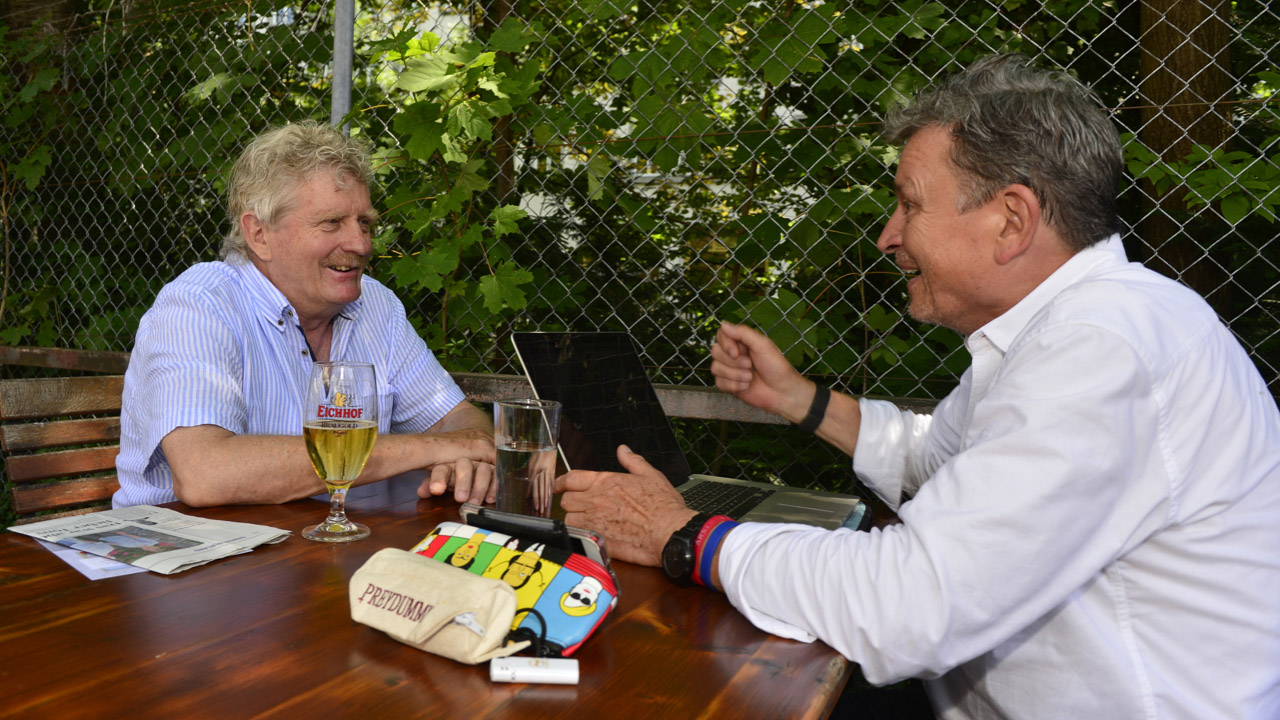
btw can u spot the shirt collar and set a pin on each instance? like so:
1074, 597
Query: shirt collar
1002, 331
267, 300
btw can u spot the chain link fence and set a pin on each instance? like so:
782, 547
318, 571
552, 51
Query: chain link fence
677, 164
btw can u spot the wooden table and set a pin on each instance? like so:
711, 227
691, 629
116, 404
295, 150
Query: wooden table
269, 634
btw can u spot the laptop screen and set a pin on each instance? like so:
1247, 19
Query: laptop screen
606, 397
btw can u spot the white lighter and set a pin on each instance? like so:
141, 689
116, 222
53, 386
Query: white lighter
555, 671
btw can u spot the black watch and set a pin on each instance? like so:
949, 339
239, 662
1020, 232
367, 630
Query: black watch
678, 556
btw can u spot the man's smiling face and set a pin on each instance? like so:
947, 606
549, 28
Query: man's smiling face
317, 250
945, 251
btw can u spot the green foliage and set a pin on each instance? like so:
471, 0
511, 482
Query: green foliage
129, 163
451, 97
1238, 182
33, 106
749, 219
655, 167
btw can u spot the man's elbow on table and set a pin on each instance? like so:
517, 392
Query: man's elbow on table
194, 491
193, 494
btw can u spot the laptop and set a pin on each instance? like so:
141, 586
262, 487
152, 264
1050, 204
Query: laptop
607, 400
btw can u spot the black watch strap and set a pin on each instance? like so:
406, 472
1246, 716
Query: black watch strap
817, 411
691, 528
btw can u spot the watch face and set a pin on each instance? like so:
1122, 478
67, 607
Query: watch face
677, 562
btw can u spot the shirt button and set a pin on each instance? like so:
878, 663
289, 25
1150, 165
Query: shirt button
288, 312
304, 353
280, 323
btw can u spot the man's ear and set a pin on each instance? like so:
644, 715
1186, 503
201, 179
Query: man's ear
1020, 214
255, 236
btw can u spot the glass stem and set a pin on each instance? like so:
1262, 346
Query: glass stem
337, 507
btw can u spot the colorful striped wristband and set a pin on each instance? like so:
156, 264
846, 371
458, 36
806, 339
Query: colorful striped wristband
705, 552
701, 539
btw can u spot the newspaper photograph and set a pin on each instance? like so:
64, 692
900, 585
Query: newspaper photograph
153, 538
91, 566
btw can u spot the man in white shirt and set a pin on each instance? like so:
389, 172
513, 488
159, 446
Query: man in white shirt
212, 410
1093, 522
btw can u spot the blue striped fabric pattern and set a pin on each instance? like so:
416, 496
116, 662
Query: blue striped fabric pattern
221, 346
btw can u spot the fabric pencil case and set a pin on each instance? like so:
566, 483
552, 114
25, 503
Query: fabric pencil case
434, 607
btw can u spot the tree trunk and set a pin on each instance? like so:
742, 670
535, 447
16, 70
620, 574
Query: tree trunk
57, 14
1186, 79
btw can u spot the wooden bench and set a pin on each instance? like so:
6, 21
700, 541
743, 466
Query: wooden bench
55, 459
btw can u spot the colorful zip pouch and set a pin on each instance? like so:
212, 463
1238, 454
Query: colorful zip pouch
562, 596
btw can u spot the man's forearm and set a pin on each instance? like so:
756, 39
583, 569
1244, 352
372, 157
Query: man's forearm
841, 423
212, 466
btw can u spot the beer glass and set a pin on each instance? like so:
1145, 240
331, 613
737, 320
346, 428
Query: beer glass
339, 425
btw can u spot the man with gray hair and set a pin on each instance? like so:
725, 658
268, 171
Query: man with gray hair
212, 409
1089, 521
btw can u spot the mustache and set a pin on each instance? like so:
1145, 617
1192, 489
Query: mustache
346, 260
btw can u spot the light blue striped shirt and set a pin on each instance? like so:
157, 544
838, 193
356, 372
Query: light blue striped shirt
221, 346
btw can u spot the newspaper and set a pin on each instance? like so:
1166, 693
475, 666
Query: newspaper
153, 538
91, 566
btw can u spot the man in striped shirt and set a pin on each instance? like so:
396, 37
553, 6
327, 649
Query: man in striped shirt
213, 395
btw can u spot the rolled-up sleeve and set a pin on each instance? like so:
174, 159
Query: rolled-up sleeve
189, 369
185, 371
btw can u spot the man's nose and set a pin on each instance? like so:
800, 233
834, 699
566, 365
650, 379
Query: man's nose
891, 236
359, 240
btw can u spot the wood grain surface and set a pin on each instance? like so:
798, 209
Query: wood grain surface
269, 634
51, 397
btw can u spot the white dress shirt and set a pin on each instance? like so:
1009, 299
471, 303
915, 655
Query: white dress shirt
221, 346
1094, 523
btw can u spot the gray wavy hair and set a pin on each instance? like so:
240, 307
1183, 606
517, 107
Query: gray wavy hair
275, 163
1013, 123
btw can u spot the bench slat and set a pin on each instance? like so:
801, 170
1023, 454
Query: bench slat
53, 495
53, 397
29, 468
102, 361
96, 507
59, 433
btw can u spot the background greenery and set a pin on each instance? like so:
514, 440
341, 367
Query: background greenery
651, 166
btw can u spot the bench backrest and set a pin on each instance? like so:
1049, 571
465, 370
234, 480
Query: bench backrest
55, 459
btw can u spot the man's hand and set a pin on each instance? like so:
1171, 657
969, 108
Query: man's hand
466, 463
636, 513
460, 454
748, 365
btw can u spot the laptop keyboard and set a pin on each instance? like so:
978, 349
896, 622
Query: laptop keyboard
719, 498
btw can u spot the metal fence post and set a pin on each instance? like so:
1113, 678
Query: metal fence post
344, 23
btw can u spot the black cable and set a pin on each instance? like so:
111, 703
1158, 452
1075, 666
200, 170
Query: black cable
539, 641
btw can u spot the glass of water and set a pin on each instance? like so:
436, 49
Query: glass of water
525, 435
